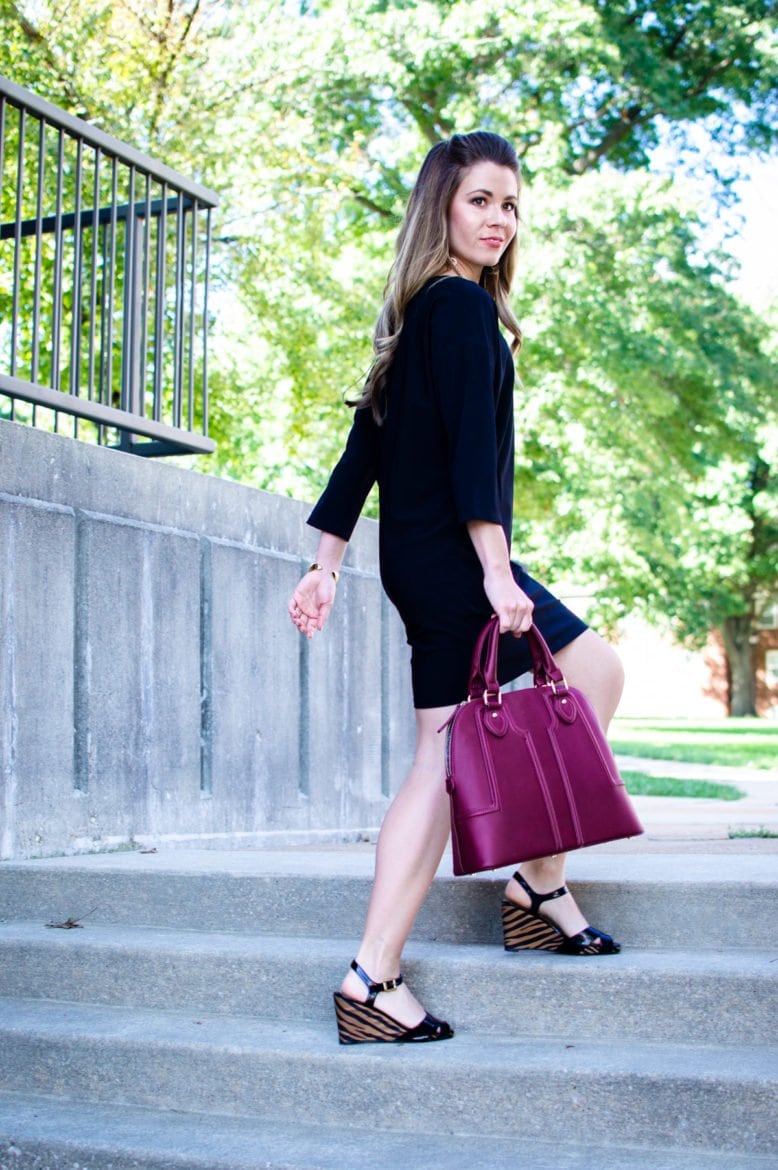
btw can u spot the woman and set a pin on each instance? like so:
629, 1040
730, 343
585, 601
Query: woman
434, 427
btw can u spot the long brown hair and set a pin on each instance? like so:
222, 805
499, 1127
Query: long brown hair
422, 250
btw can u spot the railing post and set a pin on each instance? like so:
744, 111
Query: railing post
75, 336
17, 241
36, 301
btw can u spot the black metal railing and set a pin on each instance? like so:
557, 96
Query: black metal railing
104, 265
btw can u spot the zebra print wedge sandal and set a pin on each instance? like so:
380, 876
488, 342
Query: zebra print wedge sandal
529, 930
363, 1023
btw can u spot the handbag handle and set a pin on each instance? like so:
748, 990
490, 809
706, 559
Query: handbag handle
483, 678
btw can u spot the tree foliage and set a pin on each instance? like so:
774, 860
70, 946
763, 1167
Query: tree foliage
644, 414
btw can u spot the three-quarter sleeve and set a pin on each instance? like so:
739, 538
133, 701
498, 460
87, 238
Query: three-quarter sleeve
341, 502
463, 361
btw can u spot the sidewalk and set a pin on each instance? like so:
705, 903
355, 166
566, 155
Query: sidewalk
703, 823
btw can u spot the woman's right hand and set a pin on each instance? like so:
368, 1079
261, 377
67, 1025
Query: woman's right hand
510, 603
312, 600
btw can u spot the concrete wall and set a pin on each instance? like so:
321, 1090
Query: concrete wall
152, 688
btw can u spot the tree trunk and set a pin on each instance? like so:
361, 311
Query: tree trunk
736, 633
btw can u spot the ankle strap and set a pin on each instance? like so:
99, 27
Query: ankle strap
373, 989
537, 900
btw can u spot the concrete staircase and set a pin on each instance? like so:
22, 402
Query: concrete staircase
188, 1023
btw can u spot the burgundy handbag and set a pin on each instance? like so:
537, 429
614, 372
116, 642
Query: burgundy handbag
529, 773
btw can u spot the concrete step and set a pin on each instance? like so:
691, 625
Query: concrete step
554, 1090
172, 1007
664, 901
46, 1134
641, 995
43, 1133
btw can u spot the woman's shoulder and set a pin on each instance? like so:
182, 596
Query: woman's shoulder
457, 290
455, 302
458, 296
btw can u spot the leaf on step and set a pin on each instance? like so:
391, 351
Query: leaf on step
71, 923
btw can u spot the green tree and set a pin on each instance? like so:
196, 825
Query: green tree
646, 385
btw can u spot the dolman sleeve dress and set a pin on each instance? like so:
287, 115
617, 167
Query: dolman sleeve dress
442, 457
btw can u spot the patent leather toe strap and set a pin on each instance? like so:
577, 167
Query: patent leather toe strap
374, 989
603, 942
431, 1028
590, 942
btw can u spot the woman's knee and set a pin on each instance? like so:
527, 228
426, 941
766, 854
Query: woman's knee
594, 667
612, 669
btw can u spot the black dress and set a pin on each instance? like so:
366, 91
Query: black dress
443, 456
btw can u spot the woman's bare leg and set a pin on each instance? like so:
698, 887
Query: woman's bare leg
410, 845
593, 667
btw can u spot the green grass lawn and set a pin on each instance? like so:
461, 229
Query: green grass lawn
641, 784
749, 743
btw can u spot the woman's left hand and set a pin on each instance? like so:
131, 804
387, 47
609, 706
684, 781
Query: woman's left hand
510, 603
